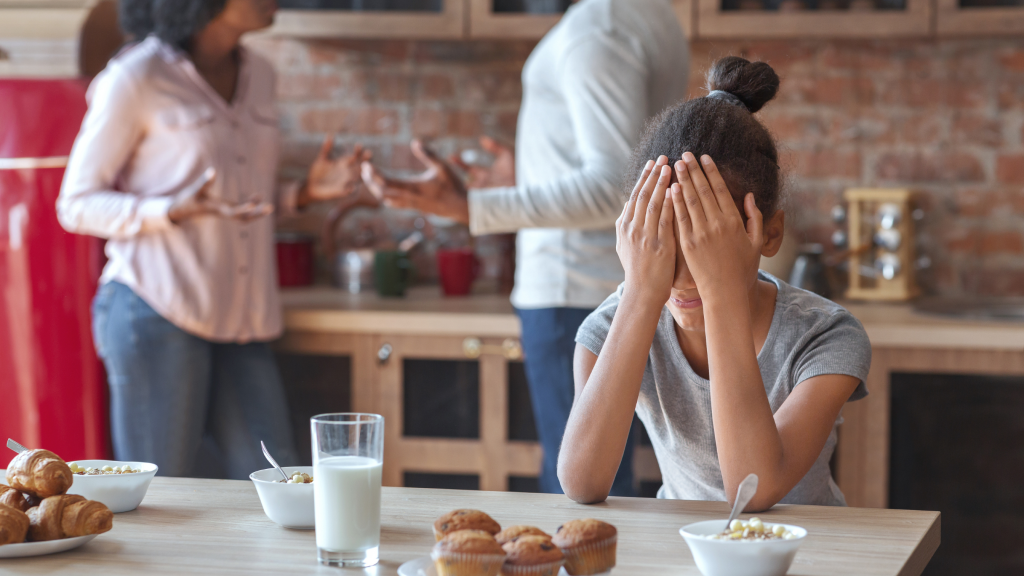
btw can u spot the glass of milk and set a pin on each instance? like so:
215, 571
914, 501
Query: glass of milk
348, 452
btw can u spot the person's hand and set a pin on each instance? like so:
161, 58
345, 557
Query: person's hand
331, 178
195, 201
502, 172
644, 235
721, 251
437, 190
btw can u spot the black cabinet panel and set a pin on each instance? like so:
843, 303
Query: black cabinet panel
364, 5
314, 385
523, 484
449, 481
958, 447
521, 425
532, 6
441, 398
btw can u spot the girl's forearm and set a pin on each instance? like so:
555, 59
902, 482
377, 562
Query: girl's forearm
746, 435
598, 427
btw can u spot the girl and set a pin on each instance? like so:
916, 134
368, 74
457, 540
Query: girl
176, 165
731, 370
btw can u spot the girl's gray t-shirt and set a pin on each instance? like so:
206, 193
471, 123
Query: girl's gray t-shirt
809, 336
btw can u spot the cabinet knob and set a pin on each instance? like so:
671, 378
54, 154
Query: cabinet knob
384, 353
510, 348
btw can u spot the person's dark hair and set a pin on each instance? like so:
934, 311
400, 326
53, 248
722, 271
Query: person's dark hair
723, 127
176, 21
135, 18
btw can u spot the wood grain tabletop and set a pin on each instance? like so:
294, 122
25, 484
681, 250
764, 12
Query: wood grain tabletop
218, 527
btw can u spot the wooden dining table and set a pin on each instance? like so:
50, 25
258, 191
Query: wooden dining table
218, 527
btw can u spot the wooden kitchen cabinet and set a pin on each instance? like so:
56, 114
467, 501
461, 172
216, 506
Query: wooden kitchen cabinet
914, 19
444, 373
967, 18
405, 19
509, 19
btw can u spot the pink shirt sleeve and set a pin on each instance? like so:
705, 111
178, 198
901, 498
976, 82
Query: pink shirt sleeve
89, 202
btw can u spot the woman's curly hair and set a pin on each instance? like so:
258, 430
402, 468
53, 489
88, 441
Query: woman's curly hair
173, 21
135, 18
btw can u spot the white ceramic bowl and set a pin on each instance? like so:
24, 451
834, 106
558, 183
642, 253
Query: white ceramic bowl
120, 492
731, 558
290, 505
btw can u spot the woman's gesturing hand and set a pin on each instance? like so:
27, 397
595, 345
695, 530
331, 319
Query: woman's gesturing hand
331, 178
721, 251
644, 237
437, 190
195, 200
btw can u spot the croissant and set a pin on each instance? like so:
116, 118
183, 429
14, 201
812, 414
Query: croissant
16, 499
40, 473
13, 525
68, 516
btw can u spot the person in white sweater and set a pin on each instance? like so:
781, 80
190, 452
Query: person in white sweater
588, 88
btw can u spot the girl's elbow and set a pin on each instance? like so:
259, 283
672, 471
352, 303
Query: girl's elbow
578, 490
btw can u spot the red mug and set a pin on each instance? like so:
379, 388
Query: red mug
294, 260
457, 269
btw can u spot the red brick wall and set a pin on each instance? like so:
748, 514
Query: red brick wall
945, 117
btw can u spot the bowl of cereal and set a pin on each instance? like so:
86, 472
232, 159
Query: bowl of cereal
287, 502
121, 486
746, 548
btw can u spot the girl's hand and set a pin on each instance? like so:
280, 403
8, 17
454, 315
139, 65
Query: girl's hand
721, 251
644, 237
331, 178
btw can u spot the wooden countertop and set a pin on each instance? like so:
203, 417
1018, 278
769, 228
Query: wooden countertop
424, 311
218, 527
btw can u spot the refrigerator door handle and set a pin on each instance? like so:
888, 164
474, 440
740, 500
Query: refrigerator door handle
33, 163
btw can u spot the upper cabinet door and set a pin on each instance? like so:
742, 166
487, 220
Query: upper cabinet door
406, 19
531, 19
980, 17
813, 18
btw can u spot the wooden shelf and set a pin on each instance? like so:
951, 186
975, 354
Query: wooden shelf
952, 20
485, 23
449, 24
915, 20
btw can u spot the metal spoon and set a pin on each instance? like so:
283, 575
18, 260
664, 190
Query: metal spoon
15, 446
744, 493
272, 461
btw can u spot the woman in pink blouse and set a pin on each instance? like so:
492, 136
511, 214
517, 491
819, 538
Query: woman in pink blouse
176, 166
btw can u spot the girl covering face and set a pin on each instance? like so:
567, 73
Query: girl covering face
731, 370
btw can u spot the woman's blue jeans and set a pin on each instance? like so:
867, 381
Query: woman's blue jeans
549, 342
171, 392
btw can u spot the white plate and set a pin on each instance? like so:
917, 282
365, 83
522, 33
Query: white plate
418, 567
425, 567
44, 548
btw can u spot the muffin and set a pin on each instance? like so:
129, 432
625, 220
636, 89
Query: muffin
464, 520
532, 555
468, 553
588, 545
512, 532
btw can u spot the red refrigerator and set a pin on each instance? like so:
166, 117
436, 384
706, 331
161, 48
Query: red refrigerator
52, 387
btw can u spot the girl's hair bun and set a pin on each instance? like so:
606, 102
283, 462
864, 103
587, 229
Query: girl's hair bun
754, 83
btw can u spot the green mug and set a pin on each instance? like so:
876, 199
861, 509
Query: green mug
392, 272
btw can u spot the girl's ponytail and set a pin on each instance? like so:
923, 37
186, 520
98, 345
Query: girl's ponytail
754, 83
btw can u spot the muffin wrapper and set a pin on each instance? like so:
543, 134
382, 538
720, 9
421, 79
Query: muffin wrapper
456, 564
549, 569
590, 558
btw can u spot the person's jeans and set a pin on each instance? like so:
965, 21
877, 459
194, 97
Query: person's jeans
549, 342
171, 391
